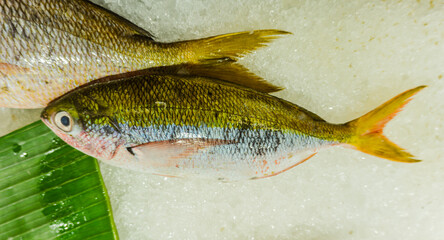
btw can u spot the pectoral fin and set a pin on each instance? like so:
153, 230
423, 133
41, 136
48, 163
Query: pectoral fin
171, 153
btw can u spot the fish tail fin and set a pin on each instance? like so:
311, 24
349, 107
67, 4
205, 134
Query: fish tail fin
230, 46
368, 130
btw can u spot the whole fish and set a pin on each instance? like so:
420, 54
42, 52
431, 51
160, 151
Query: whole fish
49, 47
195, 126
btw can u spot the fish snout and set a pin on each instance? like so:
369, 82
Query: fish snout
44, 116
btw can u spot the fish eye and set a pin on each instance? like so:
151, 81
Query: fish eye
63, 120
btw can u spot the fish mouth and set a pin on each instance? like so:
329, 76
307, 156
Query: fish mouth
44, 116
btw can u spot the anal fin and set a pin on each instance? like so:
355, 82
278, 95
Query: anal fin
286, 169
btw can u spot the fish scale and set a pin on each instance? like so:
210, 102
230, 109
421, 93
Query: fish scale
236, 120
50, 47
196, 126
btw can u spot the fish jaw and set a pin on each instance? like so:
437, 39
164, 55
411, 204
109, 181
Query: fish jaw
69, 139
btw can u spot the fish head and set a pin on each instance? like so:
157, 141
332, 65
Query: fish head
77, 124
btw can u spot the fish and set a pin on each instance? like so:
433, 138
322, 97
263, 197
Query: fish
50, 47
194, 126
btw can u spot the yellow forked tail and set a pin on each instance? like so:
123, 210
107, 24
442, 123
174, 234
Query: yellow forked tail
232, 45
216, 57
369, 128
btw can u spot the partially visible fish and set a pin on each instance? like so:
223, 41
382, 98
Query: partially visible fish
187, 126
49, 47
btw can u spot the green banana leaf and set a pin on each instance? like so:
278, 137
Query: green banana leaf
49, 190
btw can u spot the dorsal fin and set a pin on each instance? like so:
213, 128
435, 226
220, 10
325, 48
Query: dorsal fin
131, 26
314, 116
232, 72
227, 71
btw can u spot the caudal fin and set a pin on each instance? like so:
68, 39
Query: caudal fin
368, 129
230, 46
